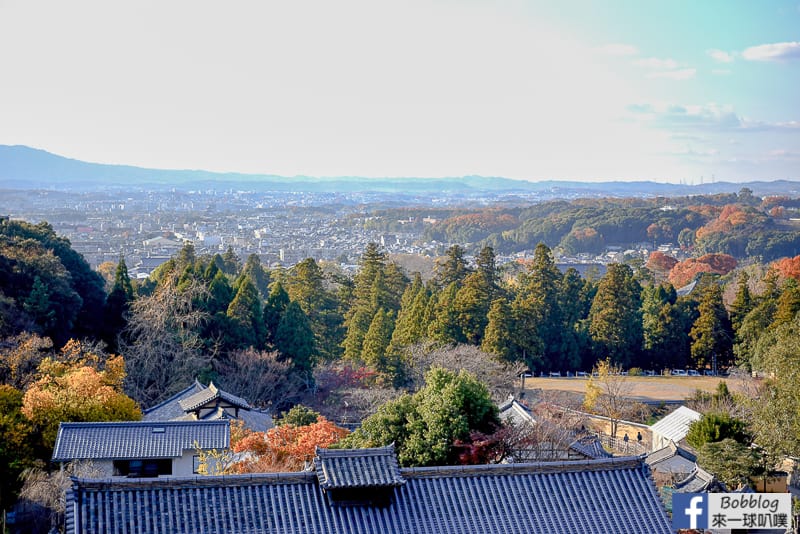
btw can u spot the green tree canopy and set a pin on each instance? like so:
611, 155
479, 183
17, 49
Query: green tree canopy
424, 426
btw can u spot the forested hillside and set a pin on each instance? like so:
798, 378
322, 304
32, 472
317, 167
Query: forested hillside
741, 225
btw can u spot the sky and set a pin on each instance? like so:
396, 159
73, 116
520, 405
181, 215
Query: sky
680, 91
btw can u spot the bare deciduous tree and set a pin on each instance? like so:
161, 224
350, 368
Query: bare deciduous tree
161, 345
42, 501
499, 377
607, 393
261, 378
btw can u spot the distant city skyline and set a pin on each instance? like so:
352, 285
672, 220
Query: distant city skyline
679, 91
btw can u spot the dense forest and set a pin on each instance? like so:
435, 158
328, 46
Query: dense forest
311, 333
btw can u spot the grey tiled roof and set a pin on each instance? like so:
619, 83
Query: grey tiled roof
611, 495
137, 439
171, 409
357, 468
516, 412
590, 446
700, 480
211, 393
672, 459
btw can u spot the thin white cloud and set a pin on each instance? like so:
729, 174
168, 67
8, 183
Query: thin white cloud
618, 49
710, 117
657, 63
721, 56
720, 72
773, 52
679, 74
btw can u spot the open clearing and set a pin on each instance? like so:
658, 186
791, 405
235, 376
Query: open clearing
644, 388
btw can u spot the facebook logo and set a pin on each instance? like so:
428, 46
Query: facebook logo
689, 510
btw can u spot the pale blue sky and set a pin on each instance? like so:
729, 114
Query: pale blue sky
669, 91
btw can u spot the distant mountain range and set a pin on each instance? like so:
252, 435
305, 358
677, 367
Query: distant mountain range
23, 167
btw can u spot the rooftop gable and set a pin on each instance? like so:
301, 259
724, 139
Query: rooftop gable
170, 408
209, 394
357, 468
137, 439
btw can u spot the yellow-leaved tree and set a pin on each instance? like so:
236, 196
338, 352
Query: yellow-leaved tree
80, 384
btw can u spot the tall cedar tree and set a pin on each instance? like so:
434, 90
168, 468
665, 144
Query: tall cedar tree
711, 333
368, 296
444, 326
537, 312
246, 312
452, 268
498, 339
118, 305
743, 303
410, 326
615, 321
376, 341
273, 311
294, 339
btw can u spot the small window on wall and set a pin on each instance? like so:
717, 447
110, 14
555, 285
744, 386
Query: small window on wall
142, 468
196, 465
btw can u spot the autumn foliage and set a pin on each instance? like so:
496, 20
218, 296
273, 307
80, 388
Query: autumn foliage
286, 447
729, 217
78, 385
684, 272
788, 267
660, 262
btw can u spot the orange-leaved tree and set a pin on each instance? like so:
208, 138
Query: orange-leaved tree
285, 447
79, 385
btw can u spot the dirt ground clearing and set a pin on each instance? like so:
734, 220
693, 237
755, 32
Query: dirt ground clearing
645, 388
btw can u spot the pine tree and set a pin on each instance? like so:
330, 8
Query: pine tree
255, 271
788, 303
230, 262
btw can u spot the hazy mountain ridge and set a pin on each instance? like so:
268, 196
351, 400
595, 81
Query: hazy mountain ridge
23, 167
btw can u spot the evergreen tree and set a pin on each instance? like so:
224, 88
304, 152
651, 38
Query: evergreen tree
410, 326
574, 306
246, 312
220, 293
444, 326
118, 305
711, 333
255, 271
743, 303
452, 268
788, 303
498, 339
376, 341
38, 306
615, 321
294, 339
274, 308
230, 262
305, 284
471, 305
186, 257
537, 312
